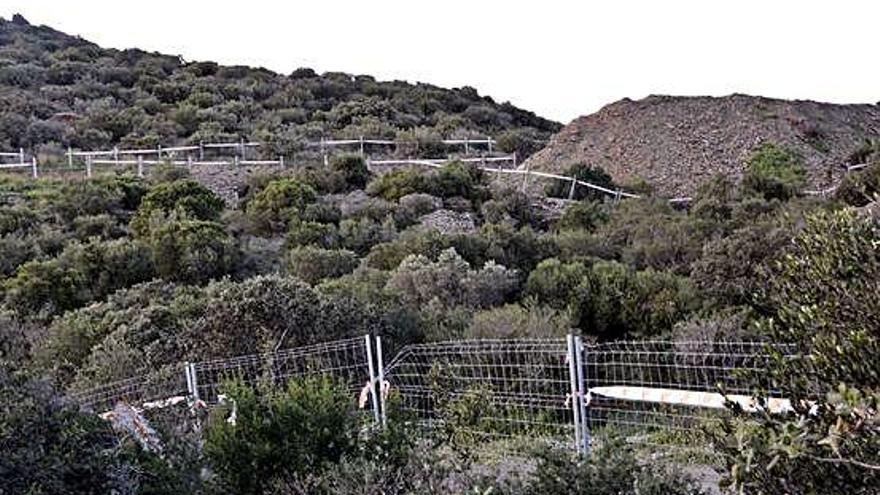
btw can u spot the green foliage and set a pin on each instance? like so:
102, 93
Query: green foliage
774, 173
616, 302
513, 321
451, 281
584, 173
651, 234
192, 251
553, 282
353, 169
584, 215
613, 469
398, 183
307, 233
80, 274
279, 434
455, 179
823, 299
49, 446
314, 264
182, 199
281, 201
859, 188
127, 96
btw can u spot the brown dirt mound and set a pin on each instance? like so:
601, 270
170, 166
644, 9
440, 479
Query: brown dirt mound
677, 143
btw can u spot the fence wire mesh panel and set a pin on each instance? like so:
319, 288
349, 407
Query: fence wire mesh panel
497, 388
343, 360
167, 384
672, 386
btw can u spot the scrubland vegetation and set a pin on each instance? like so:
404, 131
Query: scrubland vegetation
118, 276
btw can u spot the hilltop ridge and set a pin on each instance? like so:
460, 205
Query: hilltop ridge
58, 90
675, 143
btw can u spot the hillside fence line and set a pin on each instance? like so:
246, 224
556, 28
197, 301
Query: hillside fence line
195, 155
558, 390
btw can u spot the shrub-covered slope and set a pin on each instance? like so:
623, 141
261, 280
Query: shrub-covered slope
58, 90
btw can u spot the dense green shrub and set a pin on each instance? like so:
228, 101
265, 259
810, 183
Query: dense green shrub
353, 169
455, 179
277, 204
398, 183
183, 199
450, 281
774, 173
859, 188
823, 299
584, 173
192, 251
314, 264
516, 321
308, 233
359, 235
613, 469
279, 434
651, 234
80, 274
583, 215
616, 302
552, 282
49, 446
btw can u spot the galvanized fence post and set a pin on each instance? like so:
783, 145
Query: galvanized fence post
573, 391
381, 368
582, 397
192, 384
371, 369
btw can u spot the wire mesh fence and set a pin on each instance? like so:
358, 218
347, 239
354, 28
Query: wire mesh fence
550, 389
162, 385
344, 360
521, 387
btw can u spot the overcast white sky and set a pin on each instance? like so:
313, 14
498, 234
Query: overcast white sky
560, 59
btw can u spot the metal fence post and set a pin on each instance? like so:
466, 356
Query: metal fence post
88, 165
582, 397
192, 383
573, 185
573, 391
69, 157
381, 369
34, 166
140, 166
371, 370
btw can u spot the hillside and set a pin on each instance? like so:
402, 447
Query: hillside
676, 143
57, 90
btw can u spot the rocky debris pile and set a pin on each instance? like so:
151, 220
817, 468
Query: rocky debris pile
677, 143
228, 181
449, 222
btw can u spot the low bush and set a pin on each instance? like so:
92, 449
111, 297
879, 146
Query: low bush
314, 264
281, 201
279, 435
774, 173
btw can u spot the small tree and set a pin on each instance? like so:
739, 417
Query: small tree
584, 173
192, 251
280, 434
823, 296
774, 173
314, 264
278, 203
182, 199
353, 169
